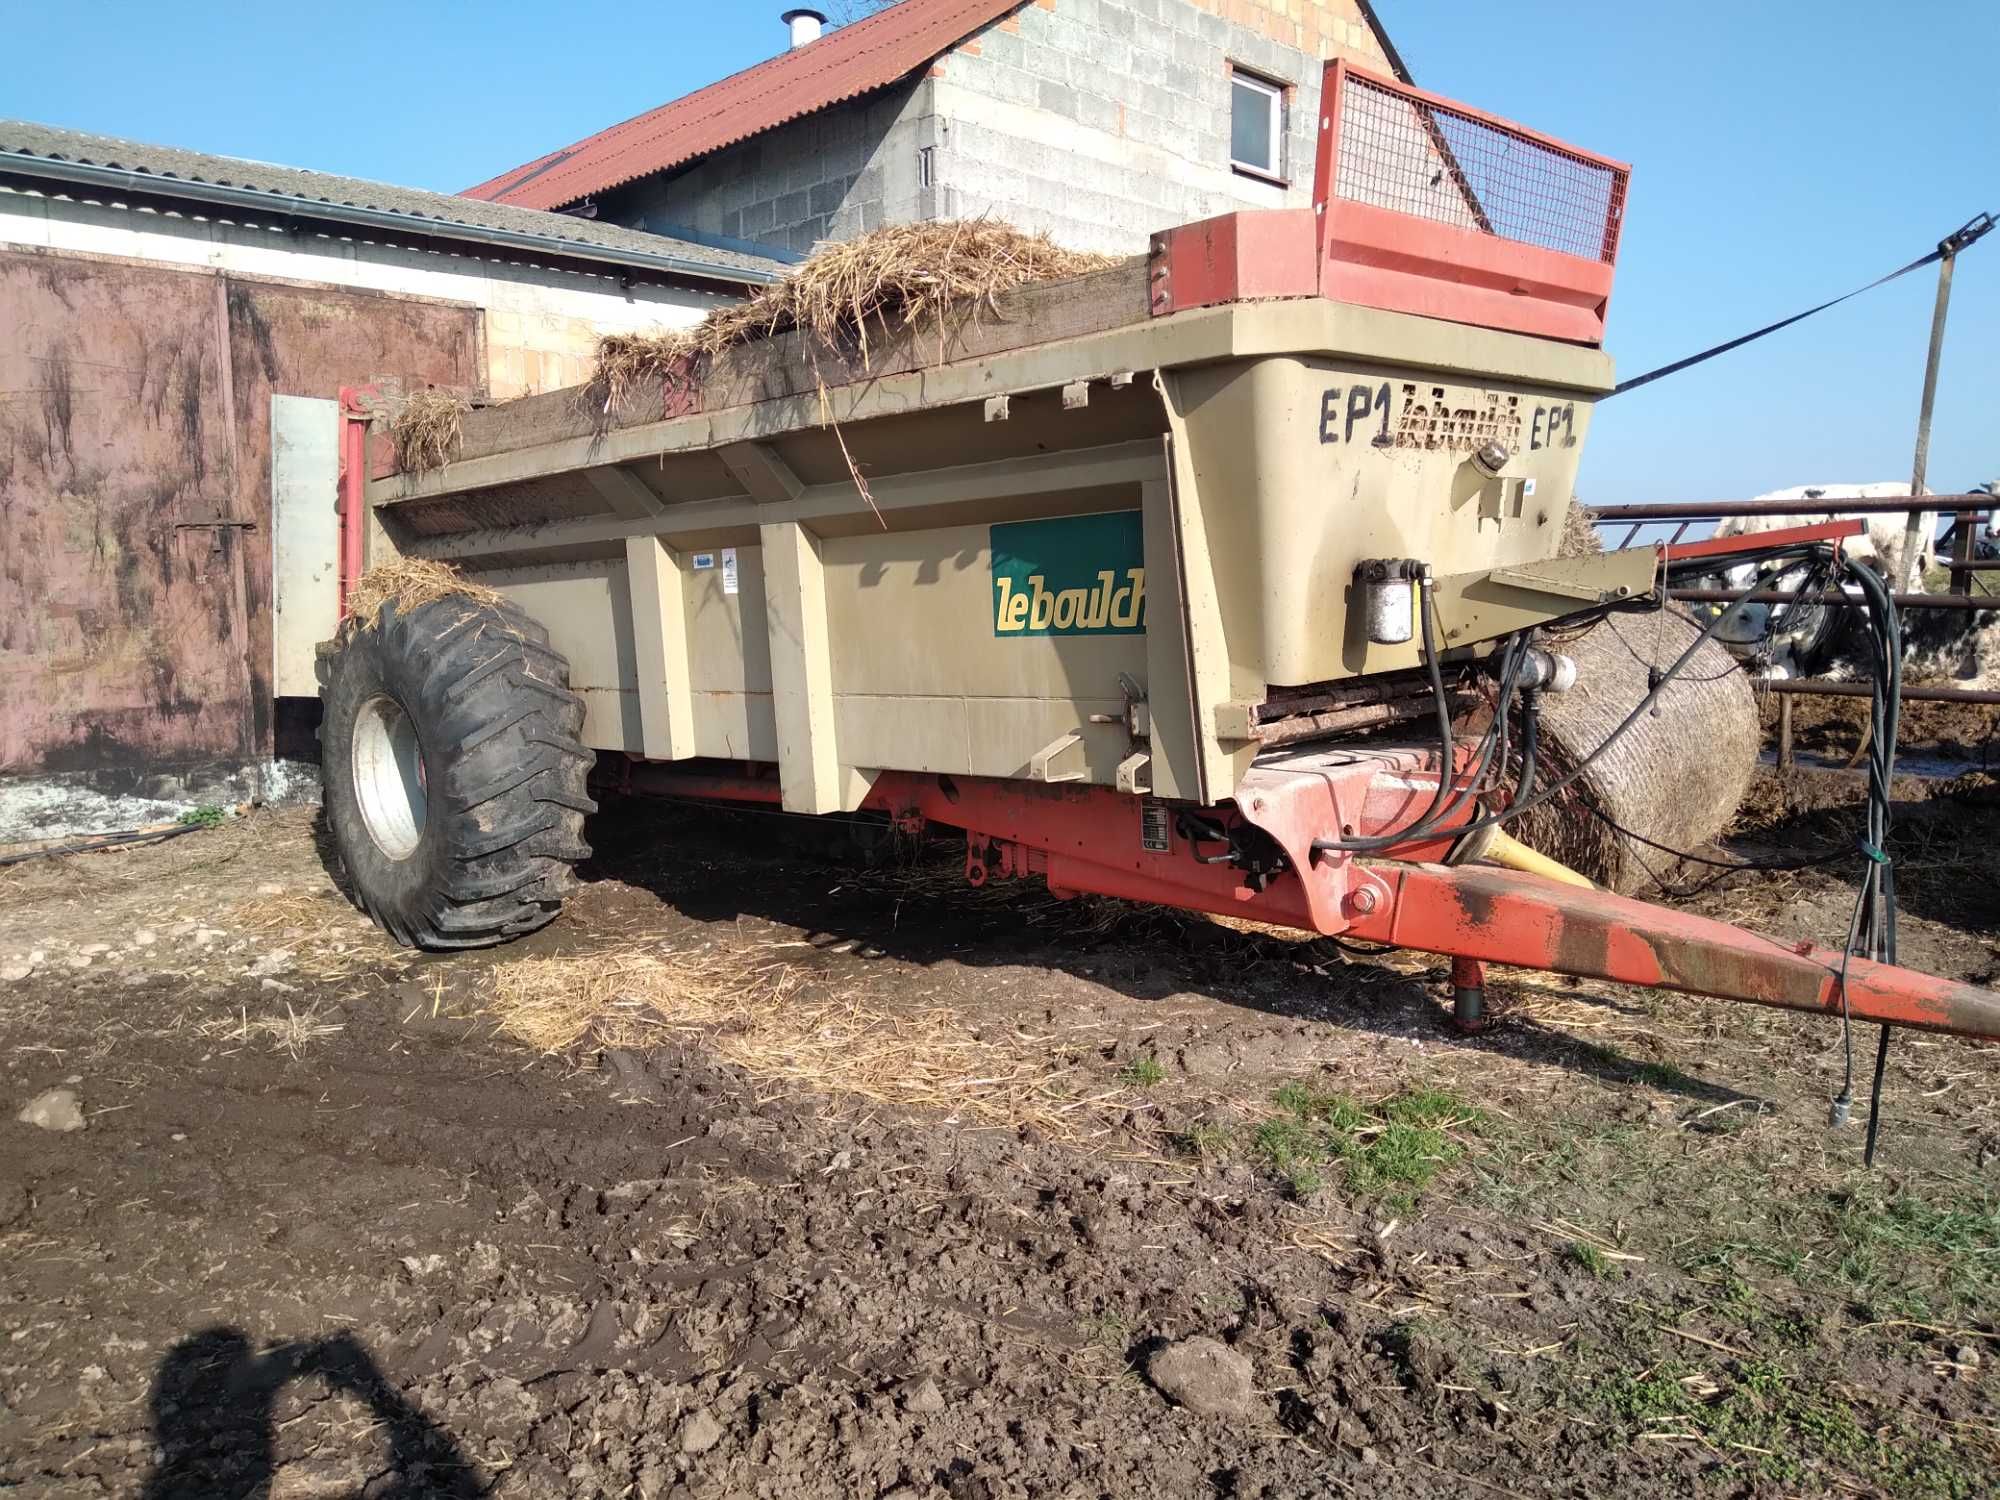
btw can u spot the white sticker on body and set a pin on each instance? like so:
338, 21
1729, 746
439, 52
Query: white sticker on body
728, 570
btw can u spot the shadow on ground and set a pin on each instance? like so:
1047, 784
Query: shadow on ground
215, 1429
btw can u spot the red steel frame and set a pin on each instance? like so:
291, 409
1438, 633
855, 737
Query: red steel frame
354, 419
1085, 839
1760, 541
1379, 257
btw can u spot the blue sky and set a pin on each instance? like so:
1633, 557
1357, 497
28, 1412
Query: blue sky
1783, 151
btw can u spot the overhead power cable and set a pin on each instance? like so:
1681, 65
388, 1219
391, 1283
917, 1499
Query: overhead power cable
1970, 233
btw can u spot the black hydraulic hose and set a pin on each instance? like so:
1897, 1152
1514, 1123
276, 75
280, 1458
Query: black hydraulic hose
1494, 820
1426, 612
1875, 903
1531, 741
1514, 658
1492, 748
94, 843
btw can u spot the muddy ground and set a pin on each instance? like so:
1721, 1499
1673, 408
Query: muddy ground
899, 1189
1942, 734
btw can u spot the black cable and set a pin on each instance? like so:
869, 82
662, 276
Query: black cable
1426, 613
1735, 666
1494, 820
1804, 862
1875, 1098
1874, 918
1453, 793
1951, 244
1531, 741
124, 839
1878, 892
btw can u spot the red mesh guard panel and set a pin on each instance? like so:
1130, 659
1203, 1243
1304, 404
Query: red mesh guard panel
1413, 154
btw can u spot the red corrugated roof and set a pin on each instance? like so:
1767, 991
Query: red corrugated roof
843, 64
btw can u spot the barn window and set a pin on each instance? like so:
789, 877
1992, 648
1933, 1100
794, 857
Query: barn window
1256, 125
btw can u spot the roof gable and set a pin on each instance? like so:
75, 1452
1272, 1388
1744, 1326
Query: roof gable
844, 64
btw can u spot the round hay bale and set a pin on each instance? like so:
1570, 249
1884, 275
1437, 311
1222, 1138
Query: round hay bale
1677, 776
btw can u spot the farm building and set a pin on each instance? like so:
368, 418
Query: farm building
154, 304
1098, 121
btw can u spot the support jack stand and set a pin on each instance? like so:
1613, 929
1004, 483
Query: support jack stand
1469, 1016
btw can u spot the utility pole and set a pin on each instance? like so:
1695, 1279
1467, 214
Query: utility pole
1948, 249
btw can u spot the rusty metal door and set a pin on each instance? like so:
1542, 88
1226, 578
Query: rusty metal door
123, 621
135, 589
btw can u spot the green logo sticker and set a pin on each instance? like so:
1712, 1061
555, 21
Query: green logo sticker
1079, 575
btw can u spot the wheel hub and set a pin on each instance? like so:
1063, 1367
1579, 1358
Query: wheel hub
389, 777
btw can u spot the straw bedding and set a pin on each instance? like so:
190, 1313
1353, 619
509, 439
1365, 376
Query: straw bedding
1677, 777
410, 582
858, 296
428, 429
784, 1027
1579, 538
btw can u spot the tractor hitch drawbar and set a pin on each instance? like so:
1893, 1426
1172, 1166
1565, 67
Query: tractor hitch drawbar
1092, 840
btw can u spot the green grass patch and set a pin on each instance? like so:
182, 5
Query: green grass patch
1898, 1255
1664, 1075
1393, 1149
201, 817
1588, 1257
1143, 1072
1208, 1141
1775, 1424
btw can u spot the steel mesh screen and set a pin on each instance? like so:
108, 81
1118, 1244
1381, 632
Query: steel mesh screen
1416, 157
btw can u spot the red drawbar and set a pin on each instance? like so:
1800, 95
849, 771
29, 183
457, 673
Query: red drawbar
1254, 858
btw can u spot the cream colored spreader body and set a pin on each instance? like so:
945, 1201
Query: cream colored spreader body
1091, 545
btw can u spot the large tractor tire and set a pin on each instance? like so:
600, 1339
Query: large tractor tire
451, 772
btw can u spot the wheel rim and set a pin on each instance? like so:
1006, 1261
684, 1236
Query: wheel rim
389, 777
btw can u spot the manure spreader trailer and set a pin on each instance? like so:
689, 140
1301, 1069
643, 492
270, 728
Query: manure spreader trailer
1229, 577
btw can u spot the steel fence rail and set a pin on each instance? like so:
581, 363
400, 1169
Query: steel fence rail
1816, 687
1719, 510
1792, 596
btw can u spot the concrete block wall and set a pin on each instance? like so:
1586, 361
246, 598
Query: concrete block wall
845, 170
1097, 121
1321, 28
1101, 121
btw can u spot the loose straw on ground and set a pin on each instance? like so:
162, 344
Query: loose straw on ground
755, 1011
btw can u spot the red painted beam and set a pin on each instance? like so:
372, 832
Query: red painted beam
1501, 916
1234, 258
1082, 838
353, 489
1785, 536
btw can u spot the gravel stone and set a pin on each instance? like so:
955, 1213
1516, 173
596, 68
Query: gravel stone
700, 1432
53, 1109
1205, 1376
